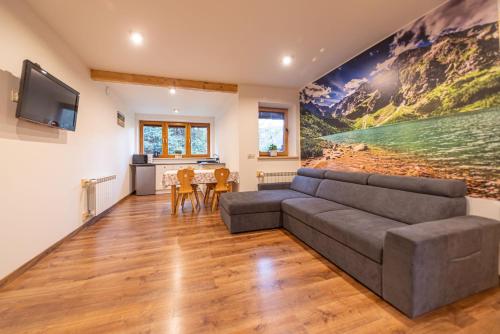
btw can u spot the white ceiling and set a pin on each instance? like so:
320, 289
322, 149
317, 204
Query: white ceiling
158, 101
232, 41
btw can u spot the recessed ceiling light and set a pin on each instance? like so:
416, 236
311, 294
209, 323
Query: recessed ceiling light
314, 59
176, 110
172, 91
286, 60
322, 50
136, 38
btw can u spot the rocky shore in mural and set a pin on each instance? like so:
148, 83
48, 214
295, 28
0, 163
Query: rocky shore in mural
424, 102
362, 158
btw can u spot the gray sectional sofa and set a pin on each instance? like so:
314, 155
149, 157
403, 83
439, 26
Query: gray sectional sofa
407, 239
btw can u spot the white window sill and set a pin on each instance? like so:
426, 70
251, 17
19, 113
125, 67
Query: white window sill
279, 158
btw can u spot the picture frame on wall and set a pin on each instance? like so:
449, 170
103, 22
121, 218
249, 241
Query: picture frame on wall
120, 119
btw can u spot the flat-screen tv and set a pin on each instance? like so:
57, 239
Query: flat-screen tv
44, 99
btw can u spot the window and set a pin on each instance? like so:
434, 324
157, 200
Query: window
166, 139
273, 130
199, 139
153, 139
176, 139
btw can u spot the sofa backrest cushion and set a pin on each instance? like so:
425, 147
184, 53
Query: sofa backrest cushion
305, 184
353, 177
311, 172
307, 180
404, 206
423, 185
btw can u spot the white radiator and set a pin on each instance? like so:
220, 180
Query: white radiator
273, 177
100, 195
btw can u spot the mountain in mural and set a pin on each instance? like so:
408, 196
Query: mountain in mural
425, 101
460, 71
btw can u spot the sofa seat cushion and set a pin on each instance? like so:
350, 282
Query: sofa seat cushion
257, 201
362, 231
305, 208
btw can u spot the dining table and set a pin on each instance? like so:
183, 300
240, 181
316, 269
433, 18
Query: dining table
201, 176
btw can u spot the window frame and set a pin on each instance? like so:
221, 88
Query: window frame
188, 135
165, 125
284, 111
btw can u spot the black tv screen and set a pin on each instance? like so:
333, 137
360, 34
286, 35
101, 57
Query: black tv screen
45, 99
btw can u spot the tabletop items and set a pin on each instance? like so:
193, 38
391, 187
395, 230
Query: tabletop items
201, 176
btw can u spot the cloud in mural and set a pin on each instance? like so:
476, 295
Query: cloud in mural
313, 92
450, 18
353, 85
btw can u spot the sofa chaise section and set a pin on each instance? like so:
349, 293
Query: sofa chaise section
254, 210
258, 210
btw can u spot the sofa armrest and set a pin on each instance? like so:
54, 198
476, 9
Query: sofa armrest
432, 264
274, 186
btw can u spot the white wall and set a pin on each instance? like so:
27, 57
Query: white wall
249, 99
484, 208
488, 208
41, 168
227, 136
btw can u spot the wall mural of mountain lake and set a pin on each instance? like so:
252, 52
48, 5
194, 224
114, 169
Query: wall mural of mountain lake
425, 102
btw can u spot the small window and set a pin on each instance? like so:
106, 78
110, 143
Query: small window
166, 139
199, 140
153, 139
273, 130
176, 139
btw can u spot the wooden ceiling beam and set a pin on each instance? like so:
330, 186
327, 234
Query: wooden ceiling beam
150, 80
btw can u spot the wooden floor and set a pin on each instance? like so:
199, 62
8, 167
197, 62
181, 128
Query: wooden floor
139, 270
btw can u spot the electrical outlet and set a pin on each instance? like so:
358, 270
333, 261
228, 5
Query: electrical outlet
14, 96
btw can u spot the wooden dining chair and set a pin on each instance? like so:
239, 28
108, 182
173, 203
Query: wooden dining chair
222, 186
186, 189
196, 189
209, 187
196, 196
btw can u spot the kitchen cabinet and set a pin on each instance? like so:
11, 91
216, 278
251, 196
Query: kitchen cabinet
143, 176
162, 168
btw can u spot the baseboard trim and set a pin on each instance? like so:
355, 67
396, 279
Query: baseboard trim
23, 268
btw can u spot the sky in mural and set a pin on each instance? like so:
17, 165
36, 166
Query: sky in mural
453, 16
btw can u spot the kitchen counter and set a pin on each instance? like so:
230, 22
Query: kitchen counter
184, 161
160, 166
144, 177
181, 163
188, 163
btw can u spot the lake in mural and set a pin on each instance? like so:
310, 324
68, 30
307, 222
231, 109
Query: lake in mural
425, 102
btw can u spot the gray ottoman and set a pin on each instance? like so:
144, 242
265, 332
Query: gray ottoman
254, 210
